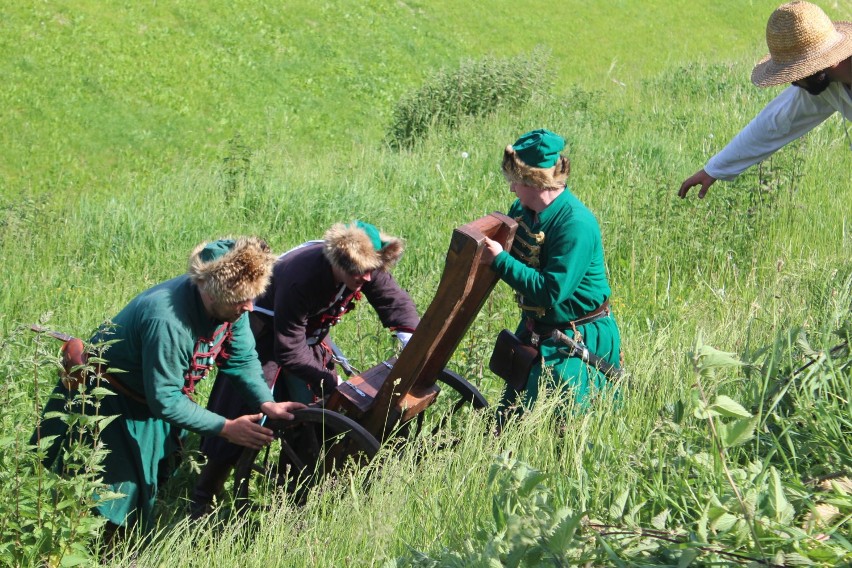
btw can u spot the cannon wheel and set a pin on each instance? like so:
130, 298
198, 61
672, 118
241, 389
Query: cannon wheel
467, 392
315, 444
460, 393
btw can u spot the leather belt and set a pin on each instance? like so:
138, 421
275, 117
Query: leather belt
124, 390
74, 358
539, 330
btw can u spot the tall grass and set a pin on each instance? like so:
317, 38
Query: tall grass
759, 268
97, 89
743, 269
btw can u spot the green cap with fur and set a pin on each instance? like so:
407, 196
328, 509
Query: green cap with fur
359, 247
539, 148
535, 160
232, 270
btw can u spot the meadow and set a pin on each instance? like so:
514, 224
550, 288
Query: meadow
131, 132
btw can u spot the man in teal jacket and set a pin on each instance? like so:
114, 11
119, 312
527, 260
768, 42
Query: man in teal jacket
556, 267
168, 339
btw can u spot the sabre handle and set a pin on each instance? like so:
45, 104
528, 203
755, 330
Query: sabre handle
51, 333
577, 349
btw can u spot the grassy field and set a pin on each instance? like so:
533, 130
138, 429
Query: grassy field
98, 90
132, 132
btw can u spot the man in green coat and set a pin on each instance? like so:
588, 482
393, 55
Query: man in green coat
169, 337
556, 267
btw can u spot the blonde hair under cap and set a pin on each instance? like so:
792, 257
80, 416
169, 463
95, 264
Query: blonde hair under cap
535, 160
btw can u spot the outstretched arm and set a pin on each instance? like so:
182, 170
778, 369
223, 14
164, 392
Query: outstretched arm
393, 305
792, 114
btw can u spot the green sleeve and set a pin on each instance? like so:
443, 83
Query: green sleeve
569, 254
243, 368
164, 360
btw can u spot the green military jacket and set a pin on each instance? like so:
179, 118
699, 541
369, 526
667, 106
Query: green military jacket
556, 265
160, 334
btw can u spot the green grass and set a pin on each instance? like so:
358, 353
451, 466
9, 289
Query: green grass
120, 154
96, 90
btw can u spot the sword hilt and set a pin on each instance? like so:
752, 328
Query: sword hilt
581, 351
49, 332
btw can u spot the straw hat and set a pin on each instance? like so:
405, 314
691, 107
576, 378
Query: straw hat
802, 40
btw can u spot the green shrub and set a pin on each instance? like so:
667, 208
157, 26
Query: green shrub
476, 88
47, 517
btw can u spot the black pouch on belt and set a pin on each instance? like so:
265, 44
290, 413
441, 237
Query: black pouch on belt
512, 360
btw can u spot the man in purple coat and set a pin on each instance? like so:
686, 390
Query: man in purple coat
313, 286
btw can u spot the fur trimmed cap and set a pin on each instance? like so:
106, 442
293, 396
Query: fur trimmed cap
534, 160
232, 270
358, 248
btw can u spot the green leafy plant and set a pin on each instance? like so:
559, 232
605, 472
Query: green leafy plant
476, 88
528, 526
47, 512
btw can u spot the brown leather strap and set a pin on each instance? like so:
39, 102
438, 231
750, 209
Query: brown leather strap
74, 357
542, 329
123, 390
601, 312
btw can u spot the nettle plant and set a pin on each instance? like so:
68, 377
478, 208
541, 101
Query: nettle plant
730, 485
47, 517
722, 483
775, 457
528, 526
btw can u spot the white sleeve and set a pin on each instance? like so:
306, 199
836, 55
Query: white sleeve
404, 337
790, 115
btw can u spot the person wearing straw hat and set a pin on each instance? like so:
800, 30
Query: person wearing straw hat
313, 286
165, 341
556, 267
812, 54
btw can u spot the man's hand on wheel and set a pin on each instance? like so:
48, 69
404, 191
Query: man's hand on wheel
281, 410
246, 430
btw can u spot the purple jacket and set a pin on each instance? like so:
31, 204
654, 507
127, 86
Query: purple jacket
303, 302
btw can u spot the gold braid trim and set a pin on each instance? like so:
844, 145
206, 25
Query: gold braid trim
533, 250
539, 237
531, 260
529, 247
537, 310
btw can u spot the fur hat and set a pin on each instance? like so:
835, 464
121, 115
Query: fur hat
358, 248
534, 160
802, 40
232, 270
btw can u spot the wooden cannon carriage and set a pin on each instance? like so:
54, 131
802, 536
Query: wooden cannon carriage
370, 407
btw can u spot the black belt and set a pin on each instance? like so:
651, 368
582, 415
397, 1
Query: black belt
539, 329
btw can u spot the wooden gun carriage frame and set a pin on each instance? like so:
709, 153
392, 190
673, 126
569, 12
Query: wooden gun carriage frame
370, 407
